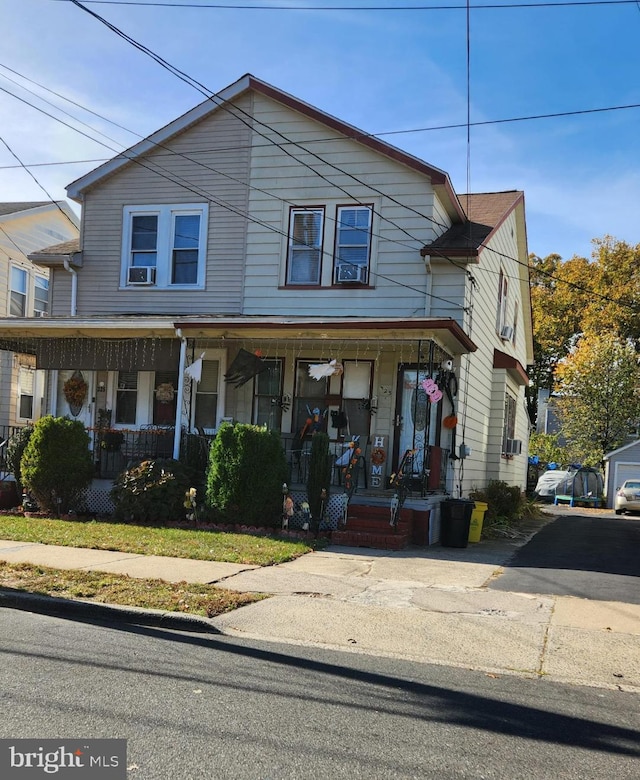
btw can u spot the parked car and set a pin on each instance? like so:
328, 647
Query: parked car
628, 497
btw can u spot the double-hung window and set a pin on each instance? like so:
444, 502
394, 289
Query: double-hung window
41, 296
501, 321
164, 246
18, 294
305, 246
127, 398
26, 377
353, 244
509, 424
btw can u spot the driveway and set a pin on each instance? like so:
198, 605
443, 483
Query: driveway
591, 557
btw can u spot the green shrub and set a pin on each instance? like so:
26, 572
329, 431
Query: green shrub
151, 491
56, 465
15, 450
505, 504
319, 473
247, 467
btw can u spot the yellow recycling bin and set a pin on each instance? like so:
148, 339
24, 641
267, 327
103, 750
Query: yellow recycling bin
477, 518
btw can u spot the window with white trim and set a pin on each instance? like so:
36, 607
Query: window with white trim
26, 378
503, 289
304, 259
18, 293
164, 246
353, 244
206, 404
41, 296
509, 425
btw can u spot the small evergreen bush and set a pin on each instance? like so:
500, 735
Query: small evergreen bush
15, 450
247, 467
319, 474
151, 491
56, 465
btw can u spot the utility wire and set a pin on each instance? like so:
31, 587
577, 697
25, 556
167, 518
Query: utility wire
48, 194
200, 192
458, 7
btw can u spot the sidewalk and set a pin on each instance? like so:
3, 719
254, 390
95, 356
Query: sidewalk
425, 604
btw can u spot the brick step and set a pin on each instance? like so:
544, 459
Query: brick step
377, 525
373, 512
378, 541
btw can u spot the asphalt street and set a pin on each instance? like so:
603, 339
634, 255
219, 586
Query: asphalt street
202, 707
590, 557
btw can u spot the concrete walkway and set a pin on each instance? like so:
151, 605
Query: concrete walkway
425, 604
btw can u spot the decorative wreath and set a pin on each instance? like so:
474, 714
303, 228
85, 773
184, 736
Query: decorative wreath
75, 390
378, 456
165, 393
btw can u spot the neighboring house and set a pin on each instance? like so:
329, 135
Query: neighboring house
24, 292
256, 223
619, 465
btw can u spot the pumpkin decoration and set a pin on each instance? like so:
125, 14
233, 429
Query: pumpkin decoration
450, 422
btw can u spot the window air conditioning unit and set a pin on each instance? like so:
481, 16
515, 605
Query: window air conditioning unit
348, 272
141, 274
513, 447
506, 333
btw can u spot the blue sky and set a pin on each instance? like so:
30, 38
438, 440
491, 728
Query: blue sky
382, 71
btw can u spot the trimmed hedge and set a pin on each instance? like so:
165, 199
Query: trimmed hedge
247, 467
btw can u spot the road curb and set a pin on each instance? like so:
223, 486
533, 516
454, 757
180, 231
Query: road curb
91, 610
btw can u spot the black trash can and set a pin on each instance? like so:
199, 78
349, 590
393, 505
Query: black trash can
455, 518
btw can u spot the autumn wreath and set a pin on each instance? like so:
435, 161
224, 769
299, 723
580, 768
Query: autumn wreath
75, 390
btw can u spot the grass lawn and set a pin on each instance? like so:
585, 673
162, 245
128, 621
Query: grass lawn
150, 540
195, 599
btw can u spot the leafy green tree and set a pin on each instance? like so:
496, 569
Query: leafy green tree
57, 466
548, 449
598, 400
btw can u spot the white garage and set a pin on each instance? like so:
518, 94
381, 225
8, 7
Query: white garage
621, 464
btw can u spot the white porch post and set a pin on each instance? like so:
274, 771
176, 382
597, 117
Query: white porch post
183, 360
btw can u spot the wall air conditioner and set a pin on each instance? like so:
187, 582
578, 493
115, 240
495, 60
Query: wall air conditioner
348, 272
141, 274
513, 447
506, 334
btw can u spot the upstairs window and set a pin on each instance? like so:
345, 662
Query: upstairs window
505, 330
164, 246
18, 294
41, 297
353, 244
305, 246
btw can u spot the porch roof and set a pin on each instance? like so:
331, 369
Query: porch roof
445, 331
16, 333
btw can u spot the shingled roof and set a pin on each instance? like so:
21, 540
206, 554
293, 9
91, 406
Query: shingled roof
14, 208
486, 212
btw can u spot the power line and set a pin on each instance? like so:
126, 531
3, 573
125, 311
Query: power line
458, 7
200, 192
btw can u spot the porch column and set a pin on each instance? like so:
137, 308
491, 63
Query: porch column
181, 367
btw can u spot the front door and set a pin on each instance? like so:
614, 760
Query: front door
80, 411
416, 422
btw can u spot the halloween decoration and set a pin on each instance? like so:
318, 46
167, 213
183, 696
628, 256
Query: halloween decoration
318, 371
194, 371
338, 419
244, 367
165, 393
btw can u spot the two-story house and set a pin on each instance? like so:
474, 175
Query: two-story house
26, 227
257, 237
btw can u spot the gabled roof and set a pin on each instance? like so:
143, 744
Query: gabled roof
486, 211
439, 179
14, 208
